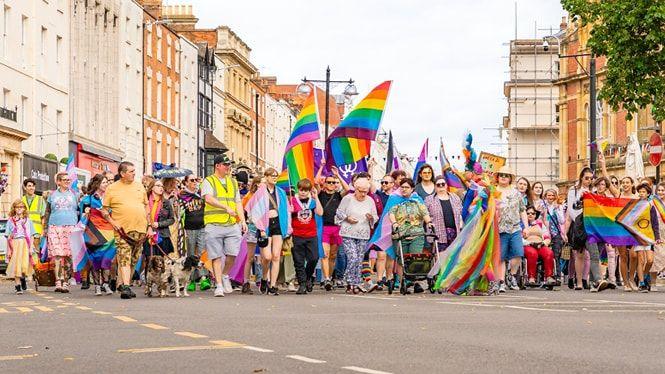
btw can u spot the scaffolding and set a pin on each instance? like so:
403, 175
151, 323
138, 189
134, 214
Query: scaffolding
532, 131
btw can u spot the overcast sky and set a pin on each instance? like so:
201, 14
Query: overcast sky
447, 58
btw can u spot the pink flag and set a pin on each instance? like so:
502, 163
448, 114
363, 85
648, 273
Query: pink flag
257, 208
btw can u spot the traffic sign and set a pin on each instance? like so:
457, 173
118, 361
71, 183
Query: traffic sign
655, 149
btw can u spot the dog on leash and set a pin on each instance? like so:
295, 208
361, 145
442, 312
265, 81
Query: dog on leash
180, 271
157, 275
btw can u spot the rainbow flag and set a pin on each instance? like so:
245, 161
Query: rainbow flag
351, 140
299, 153
600, 222
283, 180
636, 218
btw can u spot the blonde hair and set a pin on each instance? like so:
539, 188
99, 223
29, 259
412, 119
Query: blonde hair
18, 203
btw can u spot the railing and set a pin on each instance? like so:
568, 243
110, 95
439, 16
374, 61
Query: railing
8, 114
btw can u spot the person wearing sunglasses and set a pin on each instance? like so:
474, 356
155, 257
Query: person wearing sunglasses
425, 182
191, 203
446, 212
60, 218
536, 246
224, 221
577, 268
331, 196
512, 217
387, 188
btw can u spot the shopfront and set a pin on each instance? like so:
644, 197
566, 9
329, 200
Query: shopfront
40, 169
10, 166
93, 160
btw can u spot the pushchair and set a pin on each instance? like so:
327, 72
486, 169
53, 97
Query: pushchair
416, 266
44, 274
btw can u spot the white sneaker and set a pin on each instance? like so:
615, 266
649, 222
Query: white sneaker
502, 287
219, 291
107, 289
72, 282
291, 287
98, 290
226, 282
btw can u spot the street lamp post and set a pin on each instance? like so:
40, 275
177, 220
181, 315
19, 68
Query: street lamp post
256, 130
350, 90
592, 95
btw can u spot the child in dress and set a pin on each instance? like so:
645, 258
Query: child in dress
19, 231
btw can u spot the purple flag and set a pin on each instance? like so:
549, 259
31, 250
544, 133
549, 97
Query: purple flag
422, 159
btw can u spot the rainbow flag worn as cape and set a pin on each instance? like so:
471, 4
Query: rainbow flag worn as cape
299, 152
351, 140
600, 223
99, 239
257, 208
636, 218
382, 238
469, 262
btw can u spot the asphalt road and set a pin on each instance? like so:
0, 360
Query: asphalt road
520, 332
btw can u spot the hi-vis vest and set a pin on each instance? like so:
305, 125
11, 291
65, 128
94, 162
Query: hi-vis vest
226, 196
35, 212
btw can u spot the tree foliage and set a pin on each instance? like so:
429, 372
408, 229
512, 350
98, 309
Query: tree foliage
631, 34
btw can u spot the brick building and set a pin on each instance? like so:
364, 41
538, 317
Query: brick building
161, 92
573, 110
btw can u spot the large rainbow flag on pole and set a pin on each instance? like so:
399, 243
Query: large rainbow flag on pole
351, 140
299, 153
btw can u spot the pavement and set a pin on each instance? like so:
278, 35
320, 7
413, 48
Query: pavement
519, 332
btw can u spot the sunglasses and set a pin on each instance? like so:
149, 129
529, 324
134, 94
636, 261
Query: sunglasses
273, 175
385, 182
503, 175
587, 178
440, 184
530, 213
331, 182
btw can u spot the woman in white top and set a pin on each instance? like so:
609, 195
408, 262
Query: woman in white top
574, 205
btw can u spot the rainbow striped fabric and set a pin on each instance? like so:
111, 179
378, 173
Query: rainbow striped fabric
283, 180
299, 153
600, 222
352, 139
660, 208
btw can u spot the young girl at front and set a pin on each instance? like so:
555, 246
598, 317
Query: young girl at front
19, 231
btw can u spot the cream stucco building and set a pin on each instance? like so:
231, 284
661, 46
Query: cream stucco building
34, 80
189, 54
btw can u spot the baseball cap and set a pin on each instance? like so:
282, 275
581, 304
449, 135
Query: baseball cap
222, 159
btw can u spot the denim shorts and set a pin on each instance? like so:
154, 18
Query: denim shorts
511, 245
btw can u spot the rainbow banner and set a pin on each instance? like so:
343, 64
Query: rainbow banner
600, 222
636, 218
468, 265
299, 153
352, 139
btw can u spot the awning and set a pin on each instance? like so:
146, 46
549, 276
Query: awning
210, 142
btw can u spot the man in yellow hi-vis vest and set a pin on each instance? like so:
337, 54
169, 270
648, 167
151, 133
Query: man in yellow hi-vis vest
224, 221
36, 207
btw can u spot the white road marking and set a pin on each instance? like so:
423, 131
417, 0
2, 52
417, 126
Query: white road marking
539, 309
306, 359
124, 318
626, 302
43, 308
16, 357
171, 349
101, 312
83, 308
257, 349
364, 370
190, 334
154, 326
